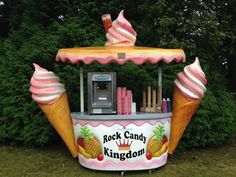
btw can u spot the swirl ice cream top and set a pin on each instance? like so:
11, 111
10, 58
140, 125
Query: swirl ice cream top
121, 32
192, 81
45, 86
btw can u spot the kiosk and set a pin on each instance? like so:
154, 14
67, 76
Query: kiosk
114, 142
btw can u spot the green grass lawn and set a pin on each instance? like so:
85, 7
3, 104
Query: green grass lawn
56, 161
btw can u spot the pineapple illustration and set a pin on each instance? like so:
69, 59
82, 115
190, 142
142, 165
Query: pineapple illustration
155, 143
91, 144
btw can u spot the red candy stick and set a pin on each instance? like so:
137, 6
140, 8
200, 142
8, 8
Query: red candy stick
107, 22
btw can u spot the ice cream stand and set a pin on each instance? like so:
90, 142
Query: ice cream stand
120, 141
123, 139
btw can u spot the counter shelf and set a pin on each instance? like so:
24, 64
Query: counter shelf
134, 116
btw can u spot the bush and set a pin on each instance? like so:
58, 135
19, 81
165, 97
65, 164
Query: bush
213, 123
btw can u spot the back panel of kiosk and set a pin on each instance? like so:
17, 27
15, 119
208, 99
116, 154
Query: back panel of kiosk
102, 93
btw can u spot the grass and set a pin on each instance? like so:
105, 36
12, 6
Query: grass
56, 161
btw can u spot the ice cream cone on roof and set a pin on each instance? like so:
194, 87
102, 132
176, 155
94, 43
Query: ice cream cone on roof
188, 92
51, 97
121, 32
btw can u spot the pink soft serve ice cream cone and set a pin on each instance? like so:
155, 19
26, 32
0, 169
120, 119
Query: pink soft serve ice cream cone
188, 92
121, 32
51, 97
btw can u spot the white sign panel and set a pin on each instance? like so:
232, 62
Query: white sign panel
122, 145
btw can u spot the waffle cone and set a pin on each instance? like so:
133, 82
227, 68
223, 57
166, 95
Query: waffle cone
58, 114
183, 110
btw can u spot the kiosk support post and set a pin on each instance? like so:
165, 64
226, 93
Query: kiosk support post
81, 89
159, 90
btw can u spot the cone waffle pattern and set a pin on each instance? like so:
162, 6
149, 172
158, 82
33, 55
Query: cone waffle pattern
183, 110
58, 114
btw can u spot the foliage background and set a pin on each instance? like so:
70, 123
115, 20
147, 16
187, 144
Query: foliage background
35, 30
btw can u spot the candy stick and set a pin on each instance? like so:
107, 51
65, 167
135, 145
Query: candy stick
144, 101
154, 97
107, 22
149, 99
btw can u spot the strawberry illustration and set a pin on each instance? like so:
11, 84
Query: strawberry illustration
80, 141
100, 157
164, 139
149, 156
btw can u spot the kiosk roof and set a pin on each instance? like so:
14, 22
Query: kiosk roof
120, 55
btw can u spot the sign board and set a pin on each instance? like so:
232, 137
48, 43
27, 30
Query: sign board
122, 144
